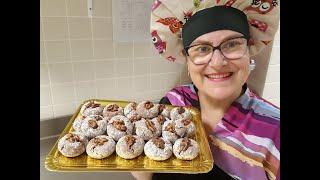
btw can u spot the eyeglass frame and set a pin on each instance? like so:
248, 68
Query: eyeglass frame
215, 48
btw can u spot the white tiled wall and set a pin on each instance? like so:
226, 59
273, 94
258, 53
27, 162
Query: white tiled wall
271, 91
79, 60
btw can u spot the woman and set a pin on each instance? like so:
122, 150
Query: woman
218, 39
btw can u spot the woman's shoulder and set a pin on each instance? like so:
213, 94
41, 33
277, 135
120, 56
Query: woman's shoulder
182, 95
256, 128
255, 117
250, 101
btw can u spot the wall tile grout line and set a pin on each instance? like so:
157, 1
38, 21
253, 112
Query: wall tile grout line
120, 77
133, 72
79, 61
93, 55
115, 61
77, 39
71, 56
48, 69
99, 17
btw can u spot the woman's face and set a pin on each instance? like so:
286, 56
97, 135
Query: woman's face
220, 78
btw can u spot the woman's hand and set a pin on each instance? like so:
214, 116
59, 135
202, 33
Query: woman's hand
142, 175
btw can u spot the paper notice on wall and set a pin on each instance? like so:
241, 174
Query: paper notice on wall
131, 20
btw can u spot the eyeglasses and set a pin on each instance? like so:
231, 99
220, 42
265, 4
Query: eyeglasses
231, 49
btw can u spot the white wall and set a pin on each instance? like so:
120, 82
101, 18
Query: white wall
271, 89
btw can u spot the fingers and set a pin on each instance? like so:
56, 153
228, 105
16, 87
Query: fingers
141, 175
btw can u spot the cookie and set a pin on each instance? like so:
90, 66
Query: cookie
147, 109
72, 144
131, 107
186, 149
180, 113
112, 110
119, 126
100, 147
189, 125
92, 128
133, 116
91, 108
171, 131
164, 110
161, 119
76, 125
158, 149
80, 119
147, 129
129, 146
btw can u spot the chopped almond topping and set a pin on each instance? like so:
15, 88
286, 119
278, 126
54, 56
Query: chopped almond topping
92, 104
100, 141
72, 138
98, 118
181, 110
185, 144
119, 124
158, 142
161, 119
186, 122
93, 124
113, 108
148, 105
135, 118
170, 128
130, 140
161, 107
134, 106
150, 125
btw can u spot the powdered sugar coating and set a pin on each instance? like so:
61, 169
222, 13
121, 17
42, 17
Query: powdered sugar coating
158, 118
97, 151
180, 129
114, 132
97, 117
134, 127
189, 125
109, 114
80, 119
129, 108
133, 116
165, 110
91, 132
189, 154
77, 123
87, 111
175, 115
147, 113
172, 137
70, 148
124, 151
144, 132
156, 153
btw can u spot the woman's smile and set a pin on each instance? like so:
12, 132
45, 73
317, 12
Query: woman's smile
219, 77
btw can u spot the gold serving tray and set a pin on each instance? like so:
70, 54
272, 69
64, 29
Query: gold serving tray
203, 163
